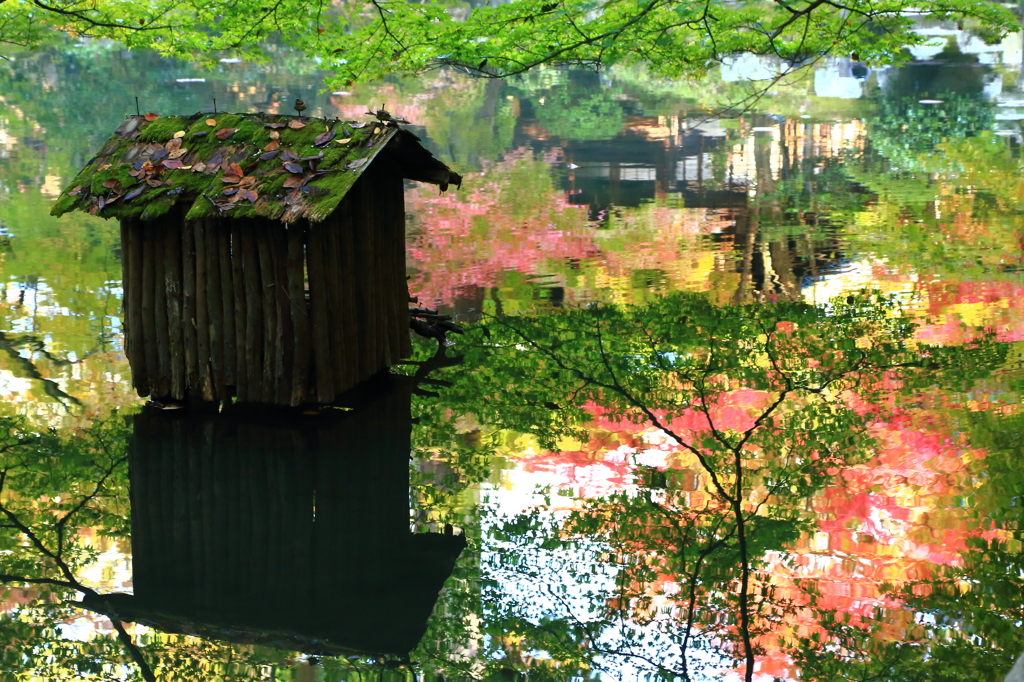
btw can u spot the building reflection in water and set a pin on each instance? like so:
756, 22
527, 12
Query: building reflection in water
291, 531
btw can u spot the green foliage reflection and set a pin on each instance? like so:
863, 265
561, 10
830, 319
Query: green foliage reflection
765, 405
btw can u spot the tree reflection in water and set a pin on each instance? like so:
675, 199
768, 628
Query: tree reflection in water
770, 421
691, 565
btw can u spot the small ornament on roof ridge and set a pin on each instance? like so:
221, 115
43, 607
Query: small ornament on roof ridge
300, 106
385, 116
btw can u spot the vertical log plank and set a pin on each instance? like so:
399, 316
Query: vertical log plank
365, 276
148, 250
214, 307
394, 246
339, 324
223, 239
285, 332
133, 286
238, 288
300, 390
402, 295
322, 357
188, 306
126, 289
350, 311
253, 315
268, 294
162, 386
354, 284
202, 313
376, 274
173, 287
384, 235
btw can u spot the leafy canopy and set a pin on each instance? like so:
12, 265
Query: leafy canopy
367, 40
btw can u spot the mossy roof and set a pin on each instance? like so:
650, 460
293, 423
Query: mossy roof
239, 166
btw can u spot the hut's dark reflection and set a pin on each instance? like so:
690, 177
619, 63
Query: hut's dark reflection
290, 530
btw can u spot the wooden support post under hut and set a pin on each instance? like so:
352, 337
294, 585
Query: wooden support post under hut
263, 256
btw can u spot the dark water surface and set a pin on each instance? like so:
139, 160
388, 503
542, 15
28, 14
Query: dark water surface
736, 393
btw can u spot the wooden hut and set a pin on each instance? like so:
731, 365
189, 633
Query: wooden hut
263, 255
293, 532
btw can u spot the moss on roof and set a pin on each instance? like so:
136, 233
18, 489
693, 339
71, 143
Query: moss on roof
237, 165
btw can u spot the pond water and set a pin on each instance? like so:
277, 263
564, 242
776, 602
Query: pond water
738, 396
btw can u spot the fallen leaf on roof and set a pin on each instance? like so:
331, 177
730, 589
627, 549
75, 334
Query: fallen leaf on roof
296, 124
180, 133
244, 194
293, 167
297, 180
271, 146
134, 193
269, 154
112, 183
289, 155
274, 135
199, 167
152, 116
345, 140
141, 169
173, 144
358, 163
324, 138
75, 191
172, 163
225, 133
274, 125
211, 122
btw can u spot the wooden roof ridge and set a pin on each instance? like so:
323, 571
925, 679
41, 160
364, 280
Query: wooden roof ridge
240, 166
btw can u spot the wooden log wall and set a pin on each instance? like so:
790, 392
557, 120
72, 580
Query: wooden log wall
297, 523
266, 312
